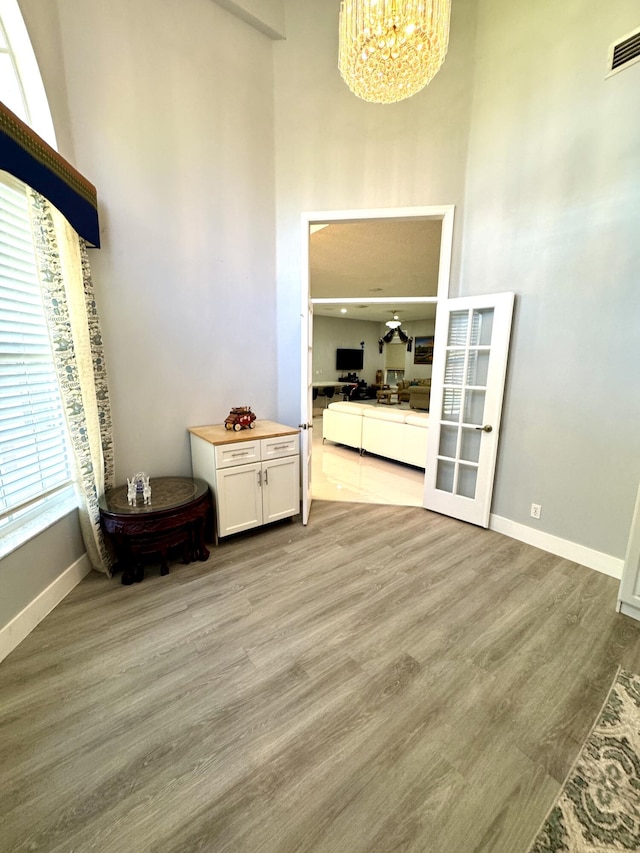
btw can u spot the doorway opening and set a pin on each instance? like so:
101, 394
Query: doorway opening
361, 267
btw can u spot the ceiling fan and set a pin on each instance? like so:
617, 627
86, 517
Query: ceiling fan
395, 327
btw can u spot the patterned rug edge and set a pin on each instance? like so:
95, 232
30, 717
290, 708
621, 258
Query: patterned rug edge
598, 806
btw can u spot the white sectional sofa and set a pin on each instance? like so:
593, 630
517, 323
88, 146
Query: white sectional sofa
395, 433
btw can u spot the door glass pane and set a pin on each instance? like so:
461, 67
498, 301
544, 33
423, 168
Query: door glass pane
470, 448
474, 407
454, 369
482, 327
467, 478
448, 441
444, 478
458, 325
451, 404
478, 367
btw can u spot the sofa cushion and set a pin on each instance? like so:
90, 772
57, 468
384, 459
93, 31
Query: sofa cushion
380, 414
348, 408
421, 420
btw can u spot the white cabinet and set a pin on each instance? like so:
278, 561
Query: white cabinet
254, 480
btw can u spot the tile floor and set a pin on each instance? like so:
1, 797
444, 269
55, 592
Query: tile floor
341, 474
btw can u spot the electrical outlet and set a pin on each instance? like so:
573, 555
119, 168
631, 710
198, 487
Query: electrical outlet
536, 509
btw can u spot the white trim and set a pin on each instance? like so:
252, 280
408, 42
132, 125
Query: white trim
604, 563
628, 610
43, 516
23, 624
611, 71
375, 300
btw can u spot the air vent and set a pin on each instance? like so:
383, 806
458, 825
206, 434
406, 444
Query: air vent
624, 52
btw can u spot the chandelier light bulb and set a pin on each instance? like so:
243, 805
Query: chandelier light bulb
390, 49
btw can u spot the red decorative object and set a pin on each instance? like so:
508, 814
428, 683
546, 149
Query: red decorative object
240, 417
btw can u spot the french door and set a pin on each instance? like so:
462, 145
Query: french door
469, 369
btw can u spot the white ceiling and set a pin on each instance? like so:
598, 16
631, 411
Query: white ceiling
377, 313
377, 259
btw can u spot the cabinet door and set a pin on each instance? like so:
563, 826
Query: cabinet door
238, 498
281, 488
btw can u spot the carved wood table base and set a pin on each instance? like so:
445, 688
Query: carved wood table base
176, 517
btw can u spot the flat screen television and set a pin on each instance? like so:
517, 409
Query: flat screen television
349, 359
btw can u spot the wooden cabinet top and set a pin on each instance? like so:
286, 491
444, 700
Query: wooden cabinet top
217, 434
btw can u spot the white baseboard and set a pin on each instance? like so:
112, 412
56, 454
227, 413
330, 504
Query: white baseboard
604, 563
23, 624
628, 610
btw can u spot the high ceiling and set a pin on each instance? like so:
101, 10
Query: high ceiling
382, 259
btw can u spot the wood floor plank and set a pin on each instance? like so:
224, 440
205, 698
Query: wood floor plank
385, 679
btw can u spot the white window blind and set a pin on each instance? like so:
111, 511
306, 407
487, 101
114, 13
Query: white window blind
394, 356
34, 455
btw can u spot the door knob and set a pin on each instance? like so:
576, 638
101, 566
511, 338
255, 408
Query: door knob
486, 428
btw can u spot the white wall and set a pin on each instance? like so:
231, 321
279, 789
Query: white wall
540, 156
170, 114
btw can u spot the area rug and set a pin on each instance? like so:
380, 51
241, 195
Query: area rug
598, 808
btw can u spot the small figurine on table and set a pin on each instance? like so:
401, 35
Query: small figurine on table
138, 485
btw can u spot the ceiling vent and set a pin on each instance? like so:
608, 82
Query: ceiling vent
624, 52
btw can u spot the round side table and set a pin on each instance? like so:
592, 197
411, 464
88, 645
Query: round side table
176, 517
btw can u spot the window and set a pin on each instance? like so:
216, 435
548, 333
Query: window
21, 86
35, 469
34, 457
394, 361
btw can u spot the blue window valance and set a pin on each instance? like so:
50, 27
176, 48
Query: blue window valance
30, 159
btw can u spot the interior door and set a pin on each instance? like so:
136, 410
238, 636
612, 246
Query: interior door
469, 369
306, 415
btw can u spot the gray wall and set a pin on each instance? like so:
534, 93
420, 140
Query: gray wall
540, 155
336, 152
552, 211
169, 111
30, 569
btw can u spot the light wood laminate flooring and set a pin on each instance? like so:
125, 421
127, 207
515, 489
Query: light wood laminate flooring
385, 679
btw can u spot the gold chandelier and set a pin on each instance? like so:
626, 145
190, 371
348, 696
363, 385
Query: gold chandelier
391, 49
